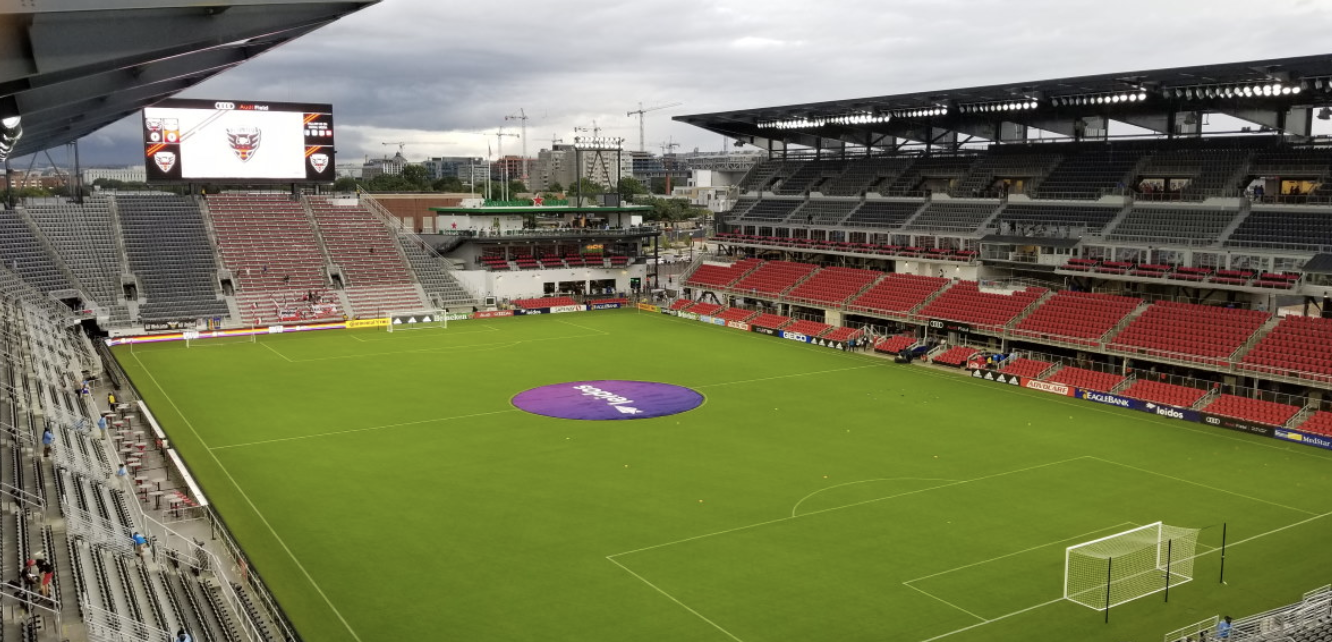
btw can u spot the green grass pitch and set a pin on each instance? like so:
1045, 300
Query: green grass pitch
387, 490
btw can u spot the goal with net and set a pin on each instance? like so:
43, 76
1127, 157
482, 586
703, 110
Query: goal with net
210, 339
417, 320
1119, 568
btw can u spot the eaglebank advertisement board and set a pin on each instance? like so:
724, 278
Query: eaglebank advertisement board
1160, 410
605, 306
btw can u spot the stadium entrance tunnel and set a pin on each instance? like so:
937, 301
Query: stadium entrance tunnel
608, 400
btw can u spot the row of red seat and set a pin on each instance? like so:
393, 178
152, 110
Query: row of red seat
964, 302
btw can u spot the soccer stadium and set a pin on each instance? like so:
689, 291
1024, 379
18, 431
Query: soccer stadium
930, 376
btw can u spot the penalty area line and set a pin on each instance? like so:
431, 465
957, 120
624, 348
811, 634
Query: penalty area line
674, 599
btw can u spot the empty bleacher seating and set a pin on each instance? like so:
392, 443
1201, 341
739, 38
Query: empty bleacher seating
1088, 173
714, 275
22, 251
895, 343
824, 212
1053, 220
955, 356
807, 327
883, 213
1168, 394
1076, 317
378, 277
953, 216
833, 285
1190, 332
1211, 171
965, 302
771, 210
774, 277
1027, 368
898, 294
996, 165
703, 308
843, 334
435, 276
736, 314
269, 243
861, 175
544, 302
1162, 225
167, 244
1307, 230
83, 237
808, 174
1319, 422
942, 169
769, 320
1087, 379
1298, 346
1249, 409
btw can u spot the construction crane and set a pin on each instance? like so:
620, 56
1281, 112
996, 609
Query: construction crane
499, 145
596, 130
642, 146
666, 148
522, 116
404, 143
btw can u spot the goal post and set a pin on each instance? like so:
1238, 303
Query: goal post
398, 321
1119, 568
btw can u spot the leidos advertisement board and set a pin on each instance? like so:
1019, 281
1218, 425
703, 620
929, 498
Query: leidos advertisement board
218, 140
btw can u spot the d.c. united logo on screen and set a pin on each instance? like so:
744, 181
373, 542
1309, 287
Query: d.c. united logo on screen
319, 162
165, 161
244, 141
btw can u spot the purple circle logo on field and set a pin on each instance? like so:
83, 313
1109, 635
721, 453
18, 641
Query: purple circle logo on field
609, 399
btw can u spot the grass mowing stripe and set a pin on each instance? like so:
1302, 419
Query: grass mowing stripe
250, 502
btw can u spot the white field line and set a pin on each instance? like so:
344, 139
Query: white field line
275, 351
583, 327
940, 599
1025, 550
250, 502
836, 508
1202, 485
864, 481
366, 429
677, 601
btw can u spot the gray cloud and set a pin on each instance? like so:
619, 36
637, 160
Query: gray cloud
420, 70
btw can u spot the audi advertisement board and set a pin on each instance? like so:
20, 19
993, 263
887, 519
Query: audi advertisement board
233, 141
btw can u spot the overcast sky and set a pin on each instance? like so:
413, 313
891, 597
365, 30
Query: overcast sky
426, 71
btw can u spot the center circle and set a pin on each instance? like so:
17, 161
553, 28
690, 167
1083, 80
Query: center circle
608, 400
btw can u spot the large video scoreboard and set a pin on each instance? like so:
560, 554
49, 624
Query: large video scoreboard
232, 141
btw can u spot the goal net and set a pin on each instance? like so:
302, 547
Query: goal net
212, 339
399, 321
1125, 566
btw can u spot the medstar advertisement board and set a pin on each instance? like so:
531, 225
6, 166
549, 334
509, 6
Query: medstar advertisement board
230, 141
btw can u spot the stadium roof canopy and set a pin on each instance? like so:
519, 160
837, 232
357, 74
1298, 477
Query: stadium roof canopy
1279, 95
71, 67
